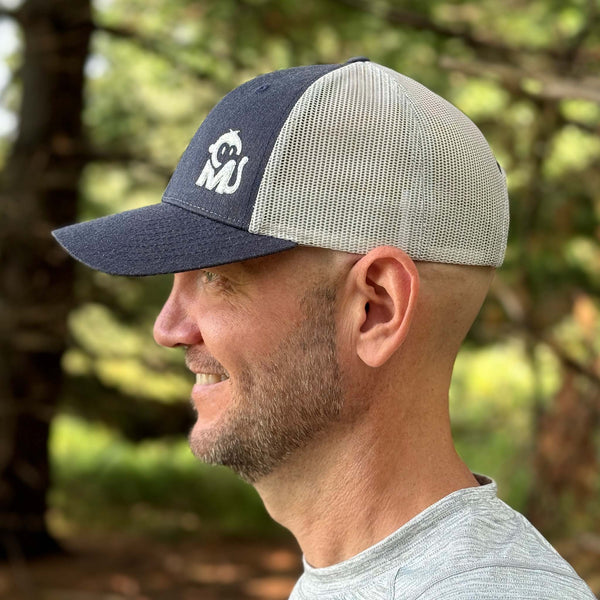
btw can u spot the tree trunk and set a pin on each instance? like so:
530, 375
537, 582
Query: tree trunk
565, 458
38, 192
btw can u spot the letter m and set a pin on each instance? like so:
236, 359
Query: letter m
207, 178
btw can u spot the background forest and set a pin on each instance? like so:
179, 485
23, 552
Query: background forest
97, 102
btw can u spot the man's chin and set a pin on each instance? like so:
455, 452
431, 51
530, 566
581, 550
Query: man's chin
222, 448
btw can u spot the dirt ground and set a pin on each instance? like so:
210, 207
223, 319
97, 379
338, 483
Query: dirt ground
125, 568
145, 569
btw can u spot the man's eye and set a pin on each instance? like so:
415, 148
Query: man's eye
209, 276
214, 282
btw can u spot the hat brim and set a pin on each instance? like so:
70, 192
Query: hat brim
162, 238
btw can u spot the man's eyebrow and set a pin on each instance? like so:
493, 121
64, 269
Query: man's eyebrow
239, 268
255, 265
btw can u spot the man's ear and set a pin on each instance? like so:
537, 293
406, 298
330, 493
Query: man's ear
384, 290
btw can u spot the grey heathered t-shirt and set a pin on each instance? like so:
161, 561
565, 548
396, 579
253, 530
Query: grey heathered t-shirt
468, 546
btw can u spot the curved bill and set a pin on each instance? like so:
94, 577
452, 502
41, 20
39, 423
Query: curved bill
161, 238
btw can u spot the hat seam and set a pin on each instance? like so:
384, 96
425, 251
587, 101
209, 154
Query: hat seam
266, 159
415, 114
239, 224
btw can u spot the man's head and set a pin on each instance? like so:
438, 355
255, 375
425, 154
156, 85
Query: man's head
333, 229
298, 345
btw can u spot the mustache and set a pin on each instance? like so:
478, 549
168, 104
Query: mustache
199, 361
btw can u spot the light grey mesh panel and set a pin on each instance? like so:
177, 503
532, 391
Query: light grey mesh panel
368, 157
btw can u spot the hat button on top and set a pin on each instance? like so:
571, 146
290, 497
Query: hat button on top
357, 59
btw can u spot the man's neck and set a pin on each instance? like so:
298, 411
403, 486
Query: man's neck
351, 489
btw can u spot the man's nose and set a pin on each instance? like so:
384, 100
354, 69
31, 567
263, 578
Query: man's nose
174, 326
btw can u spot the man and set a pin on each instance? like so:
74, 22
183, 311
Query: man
333, 231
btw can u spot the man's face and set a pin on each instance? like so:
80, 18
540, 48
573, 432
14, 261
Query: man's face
261, 338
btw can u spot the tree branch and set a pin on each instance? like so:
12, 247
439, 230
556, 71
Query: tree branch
151, 45
552, 87
424, 23
568, 361
516, 314
489, 47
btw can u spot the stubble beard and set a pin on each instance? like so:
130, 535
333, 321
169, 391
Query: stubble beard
284, 402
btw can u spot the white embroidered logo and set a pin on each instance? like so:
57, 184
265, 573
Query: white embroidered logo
219, 172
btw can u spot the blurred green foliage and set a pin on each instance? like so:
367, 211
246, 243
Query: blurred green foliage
525, 71
104, 483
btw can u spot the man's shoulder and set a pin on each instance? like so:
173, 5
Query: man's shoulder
506, 581
468, 546
487, 550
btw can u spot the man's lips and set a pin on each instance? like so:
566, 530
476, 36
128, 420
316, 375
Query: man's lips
208, 370
210, 378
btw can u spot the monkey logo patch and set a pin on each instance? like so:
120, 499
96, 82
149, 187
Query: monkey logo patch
223, 170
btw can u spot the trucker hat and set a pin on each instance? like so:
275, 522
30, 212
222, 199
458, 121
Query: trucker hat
346, 156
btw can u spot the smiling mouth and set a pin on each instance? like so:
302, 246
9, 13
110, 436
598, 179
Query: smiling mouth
209, 378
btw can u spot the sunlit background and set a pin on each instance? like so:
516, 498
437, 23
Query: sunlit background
141, 518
